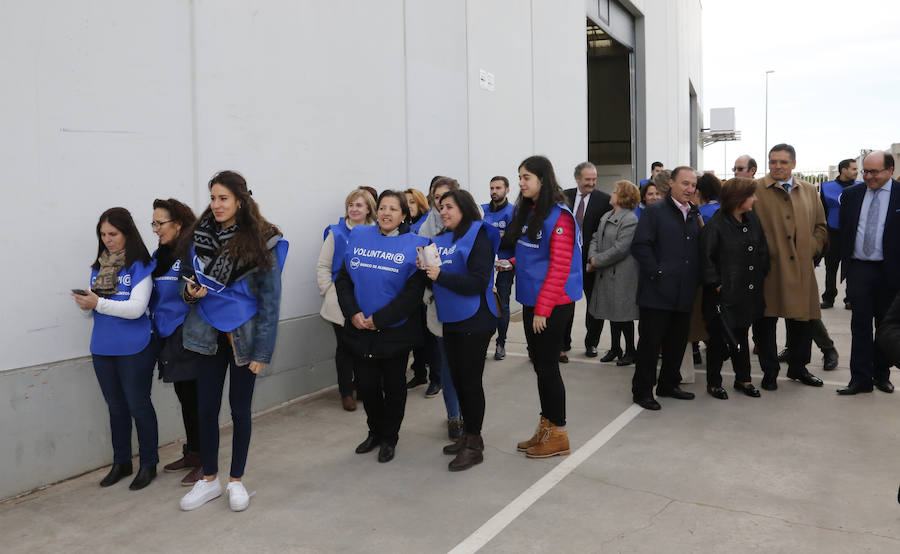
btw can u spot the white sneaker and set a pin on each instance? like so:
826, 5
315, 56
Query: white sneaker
202, 492
238, 498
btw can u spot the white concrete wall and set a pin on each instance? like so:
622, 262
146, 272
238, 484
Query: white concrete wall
672, 53
117, 102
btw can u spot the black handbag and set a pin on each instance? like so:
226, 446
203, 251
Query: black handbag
175, 362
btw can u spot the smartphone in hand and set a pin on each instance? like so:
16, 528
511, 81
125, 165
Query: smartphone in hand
80, 292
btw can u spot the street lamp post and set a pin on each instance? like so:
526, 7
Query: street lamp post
766, 150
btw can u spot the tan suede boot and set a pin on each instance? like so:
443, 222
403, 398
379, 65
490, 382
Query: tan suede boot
534, 440
553, 442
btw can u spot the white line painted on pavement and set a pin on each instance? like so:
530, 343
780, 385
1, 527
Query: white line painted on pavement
598, 362
492, 527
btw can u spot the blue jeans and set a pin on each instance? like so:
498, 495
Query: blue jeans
126, 382
504, 289
210, 383
451, 402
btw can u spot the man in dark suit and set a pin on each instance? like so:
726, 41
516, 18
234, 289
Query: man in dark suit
870, 262
588, 205
666, 246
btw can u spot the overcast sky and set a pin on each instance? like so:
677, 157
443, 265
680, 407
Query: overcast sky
836, 85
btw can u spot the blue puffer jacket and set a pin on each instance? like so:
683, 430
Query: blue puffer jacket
254, 341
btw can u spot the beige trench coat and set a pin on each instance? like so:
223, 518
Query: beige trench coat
795, 230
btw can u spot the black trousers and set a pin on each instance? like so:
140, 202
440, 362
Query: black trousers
659, 329
740, 361
187, 397
545, 348
465, 354
799, 344
382, 385
871, 292
592, 325
819, 335
618, 329
344, 362
427, 354
832, 261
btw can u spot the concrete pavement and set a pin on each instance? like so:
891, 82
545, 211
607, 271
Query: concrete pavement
798, 470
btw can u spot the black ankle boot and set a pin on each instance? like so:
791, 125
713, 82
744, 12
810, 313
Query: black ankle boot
143, 478
116, 472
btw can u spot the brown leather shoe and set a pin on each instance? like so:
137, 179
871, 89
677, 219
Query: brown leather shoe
536, 438
192, 477
348, 403
471, 454
553, 442
189, 460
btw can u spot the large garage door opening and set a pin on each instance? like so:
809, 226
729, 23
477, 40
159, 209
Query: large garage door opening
610, 107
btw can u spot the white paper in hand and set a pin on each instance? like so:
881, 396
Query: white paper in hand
428, 255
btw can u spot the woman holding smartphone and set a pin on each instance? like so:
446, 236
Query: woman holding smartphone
171, 220
548, 270
121, 342
234, 286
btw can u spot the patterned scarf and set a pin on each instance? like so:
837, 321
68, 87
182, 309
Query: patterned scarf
107, 282
211, 246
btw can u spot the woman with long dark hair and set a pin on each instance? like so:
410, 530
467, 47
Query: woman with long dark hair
734, 262
171, 222
233, 284
464, 298
121, 342
548, 268
359, 209
380, 291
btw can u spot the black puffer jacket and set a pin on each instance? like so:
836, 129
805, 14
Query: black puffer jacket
888, 334
734, 255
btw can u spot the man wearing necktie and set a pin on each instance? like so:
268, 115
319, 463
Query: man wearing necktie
793, 221
870, 262
588, 205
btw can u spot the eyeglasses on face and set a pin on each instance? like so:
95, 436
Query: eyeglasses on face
158, 224
872, 171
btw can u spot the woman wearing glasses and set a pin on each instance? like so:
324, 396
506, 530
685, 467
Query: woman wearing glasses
121, 342
168, 310
234, 286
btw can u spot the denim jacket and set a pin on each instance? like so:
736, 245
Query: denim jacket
254, 341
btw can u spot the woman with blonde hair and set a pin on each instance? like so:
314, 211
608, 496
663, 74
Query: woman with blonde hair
359, 209
418, 209
615, 287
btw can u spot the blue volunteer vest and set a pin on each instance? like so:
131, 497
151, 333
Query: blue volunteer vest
341, 233
709, 210
452, 306
379, 266
167, 308
500, 220
117, 336
832, 191
533, 261
228, 307
414, 227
